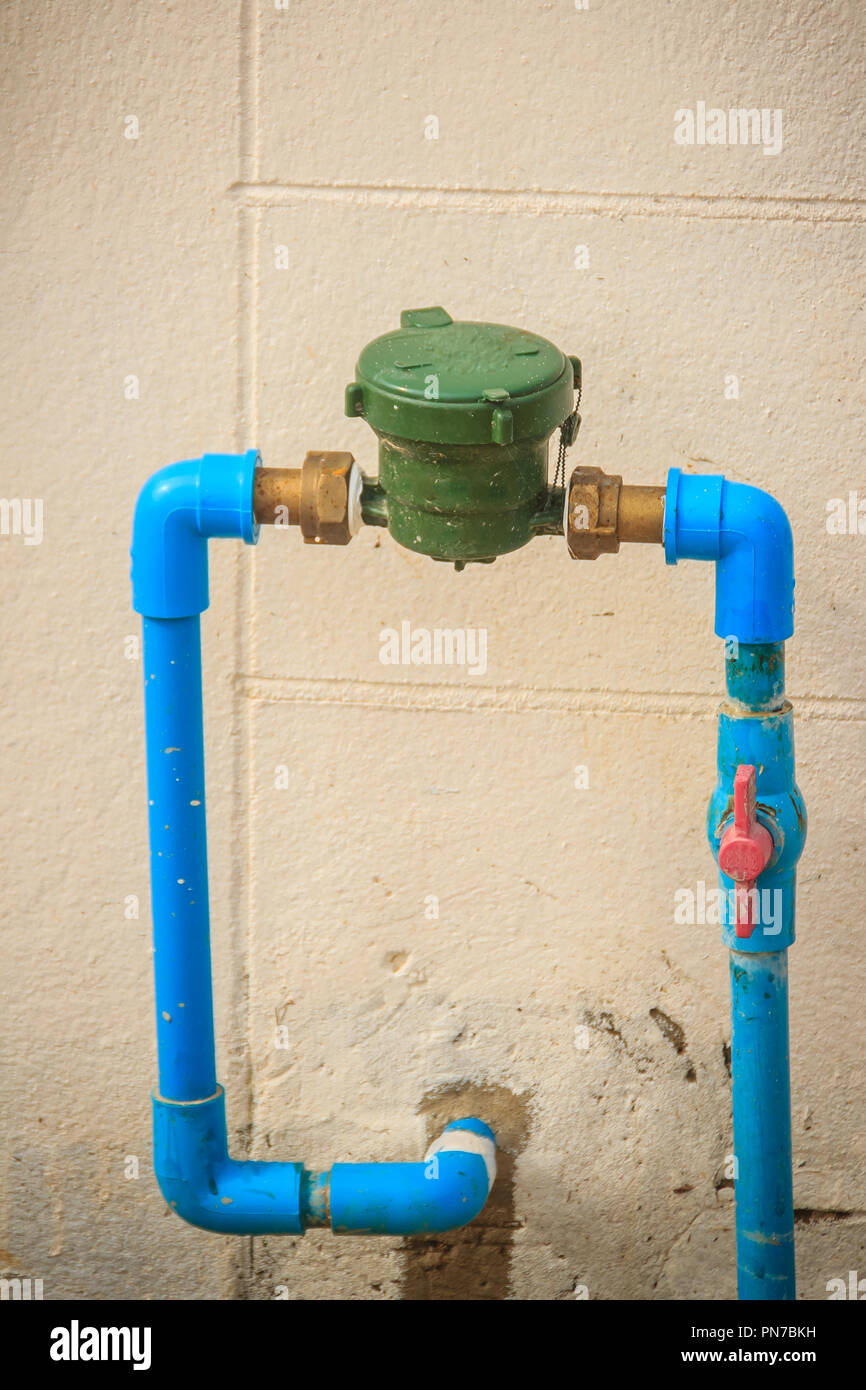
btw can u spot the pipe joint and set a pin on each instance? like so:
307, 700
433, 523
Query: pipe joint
178, 510
216, 1193
600, 511
748, 535
207, 1188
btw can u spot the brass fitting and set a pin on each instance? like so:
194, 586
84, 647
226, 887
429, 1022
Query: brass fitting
277, 496
327, 501
641, 514
591, 506
600, 513
323, 497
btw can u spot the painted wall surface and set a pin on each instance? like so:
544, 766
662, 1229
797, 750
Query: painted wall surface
436, 891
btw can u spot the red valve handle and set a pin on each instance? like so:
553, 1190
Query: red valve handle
746, 848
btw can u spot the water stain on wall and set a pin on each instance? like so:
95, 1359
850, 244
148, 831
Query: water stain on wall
473, 1263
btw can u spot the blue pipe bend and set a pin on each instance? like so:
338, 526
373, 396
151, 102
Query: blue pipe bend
446, 1191
207, 1188
178, 510
748, 535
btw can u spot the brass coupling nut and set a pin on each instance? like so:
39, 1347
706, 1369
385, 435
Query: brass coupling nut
591, 506
600, 512
323, 497
330, 499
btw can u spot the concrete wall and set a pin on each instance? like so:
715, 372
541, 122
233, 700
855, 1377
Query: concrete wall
208, 285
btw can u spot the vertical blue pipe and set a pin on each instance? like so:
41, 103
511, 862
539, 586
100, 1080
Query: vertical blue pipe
746, 533
756, 727
762, 1125
178, 858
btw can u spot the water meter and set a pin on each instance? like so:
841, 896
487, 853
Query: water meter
463, 413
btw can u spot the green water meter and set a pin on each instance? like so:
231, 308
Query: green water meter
463, 412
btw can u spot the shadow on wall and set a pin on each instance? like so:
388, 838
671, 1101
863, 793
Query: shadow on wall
473, 1263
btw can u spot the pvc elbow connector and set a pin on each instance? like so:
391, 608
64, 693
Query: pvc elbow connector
178, 510
748, 535
446, 1191
207, 1188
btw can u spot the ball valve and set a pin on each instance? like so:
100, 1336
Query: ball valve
745, 850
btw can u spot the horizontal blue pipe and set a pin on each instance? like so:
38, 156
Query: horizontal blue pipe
445, 1191
178, 510
208, 1189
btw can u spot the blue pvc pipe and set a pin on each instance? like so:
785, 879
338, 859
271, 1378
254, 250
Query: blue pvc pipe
756, 727
746, 533
178, 510
178, 858
762, 1125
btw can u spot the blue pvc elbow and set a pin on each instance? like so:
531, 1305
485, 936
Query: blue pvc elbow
207, 1188
746, 532
178, 510
444, 1192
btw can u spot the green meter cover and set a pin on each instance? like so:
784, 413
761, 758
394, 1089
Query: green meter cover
463, 412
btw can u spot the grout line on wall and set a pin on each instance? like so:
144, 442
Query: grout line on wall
500, 201
241, 902
244, 653
247, 111
517, 699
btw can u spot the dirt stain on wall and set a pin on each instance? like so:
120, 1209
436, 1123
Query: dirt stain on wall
473, 1263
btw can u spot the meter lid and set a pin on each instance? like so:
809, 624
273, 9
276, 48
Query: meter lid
445, 381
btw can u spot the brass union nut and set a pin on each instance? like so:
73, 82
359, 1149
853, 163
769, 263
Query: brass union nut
330, 500
592, 503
